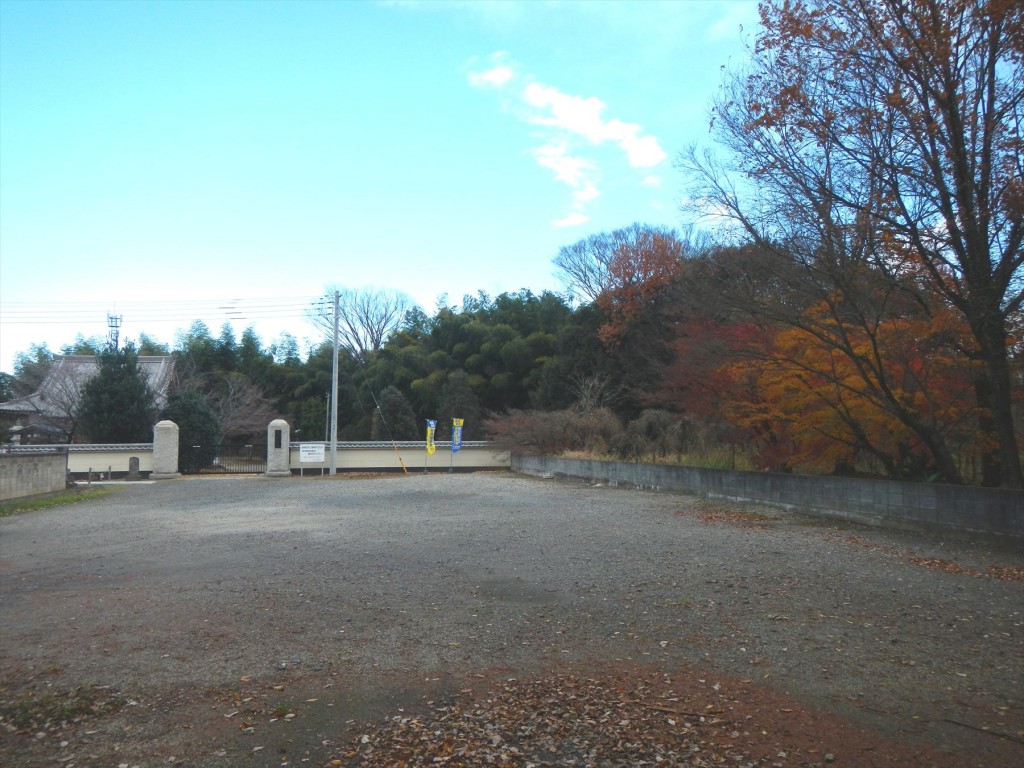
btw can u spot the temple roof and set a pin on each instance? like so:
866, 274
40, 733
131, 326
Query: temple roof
68, 374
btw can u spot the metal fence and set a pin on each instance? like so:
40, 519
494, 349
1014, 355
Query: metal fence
223, 459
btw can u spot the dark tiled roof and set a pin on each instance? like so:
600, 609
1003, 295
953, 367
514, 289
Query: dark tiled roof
68, 374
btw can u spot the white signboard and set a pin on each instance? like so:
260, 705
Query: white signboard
311, 453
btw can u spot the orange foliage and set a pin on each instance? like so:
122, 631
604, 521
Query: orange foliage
818, 405
638, 272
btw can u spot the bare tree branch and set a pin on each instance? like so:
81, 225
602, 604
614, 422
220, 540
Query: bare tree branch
367, 317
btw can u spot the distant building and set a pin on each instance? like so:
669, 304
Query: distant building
47, 415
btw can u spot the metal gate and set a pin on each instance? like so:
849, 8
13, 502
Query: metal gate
223, 459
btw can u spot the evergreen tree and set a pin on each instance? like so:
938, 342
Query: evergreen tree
117, 405
30, 368
253, 360
394, 411
285, 350
6, 387
150, 346
458, 401
83, 346
198, 428
7, 420
195, 352
226, 349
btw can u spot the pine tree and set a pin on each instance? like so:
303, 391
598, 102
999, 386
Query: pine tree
117, 405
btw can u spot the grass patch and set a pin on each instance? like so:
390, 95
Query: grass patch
34, 711
70, 496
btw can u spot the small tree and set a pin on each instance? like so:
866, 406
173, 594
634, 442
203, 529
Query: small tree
117, 405
241, 407
198, 428
64, 397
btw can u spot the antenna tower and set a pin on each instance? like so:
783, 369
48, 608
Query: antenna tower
113, 326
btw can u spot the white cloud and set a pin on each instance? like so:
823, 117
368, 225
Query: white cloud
586, 193
651, 181
568, 169
577, 172
571, 113
501, 72
583, 117
565, 119
574, 219
707, 211
643, 151
495, 77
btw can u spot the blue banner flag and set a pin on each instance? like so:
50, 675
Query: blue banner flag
456, 434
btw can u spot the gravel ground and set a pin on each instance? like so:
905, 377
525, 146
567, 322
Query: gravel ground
325, 621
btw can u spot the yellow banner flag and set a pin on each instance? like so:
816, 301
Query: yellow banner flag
431, 426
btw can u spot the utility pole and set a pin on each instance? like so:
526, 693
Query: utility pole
334, 390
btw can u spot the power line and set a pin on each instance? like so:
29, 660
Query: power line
25, 312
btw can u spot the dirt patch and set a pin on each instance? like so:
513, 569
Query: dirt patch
496, 620
605, 715
627, 715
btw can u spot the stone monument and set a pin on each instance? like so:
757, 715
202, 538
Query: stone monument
165, 451
278, 449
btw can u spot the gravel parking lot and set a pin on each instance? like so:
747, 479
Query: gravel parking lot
256, 621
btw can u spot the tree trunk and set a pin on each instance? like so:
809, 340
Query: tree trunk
1001, 465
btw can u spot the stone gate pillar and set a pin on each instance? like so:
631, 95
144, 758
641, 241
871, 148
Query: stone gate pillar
165, 451
278, 449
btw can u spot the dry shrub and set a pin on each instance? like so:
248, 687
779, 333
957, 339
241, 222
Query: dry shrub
553, 432
655, 434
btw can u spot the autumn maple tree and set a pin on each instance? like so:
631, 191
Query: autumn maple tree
900, 395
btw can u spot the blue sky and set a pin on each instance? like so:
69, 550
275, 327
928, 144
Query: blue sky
166, 160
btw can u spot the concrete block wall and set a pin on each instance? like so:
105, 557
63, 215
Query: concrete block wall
875, 502
32, 475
